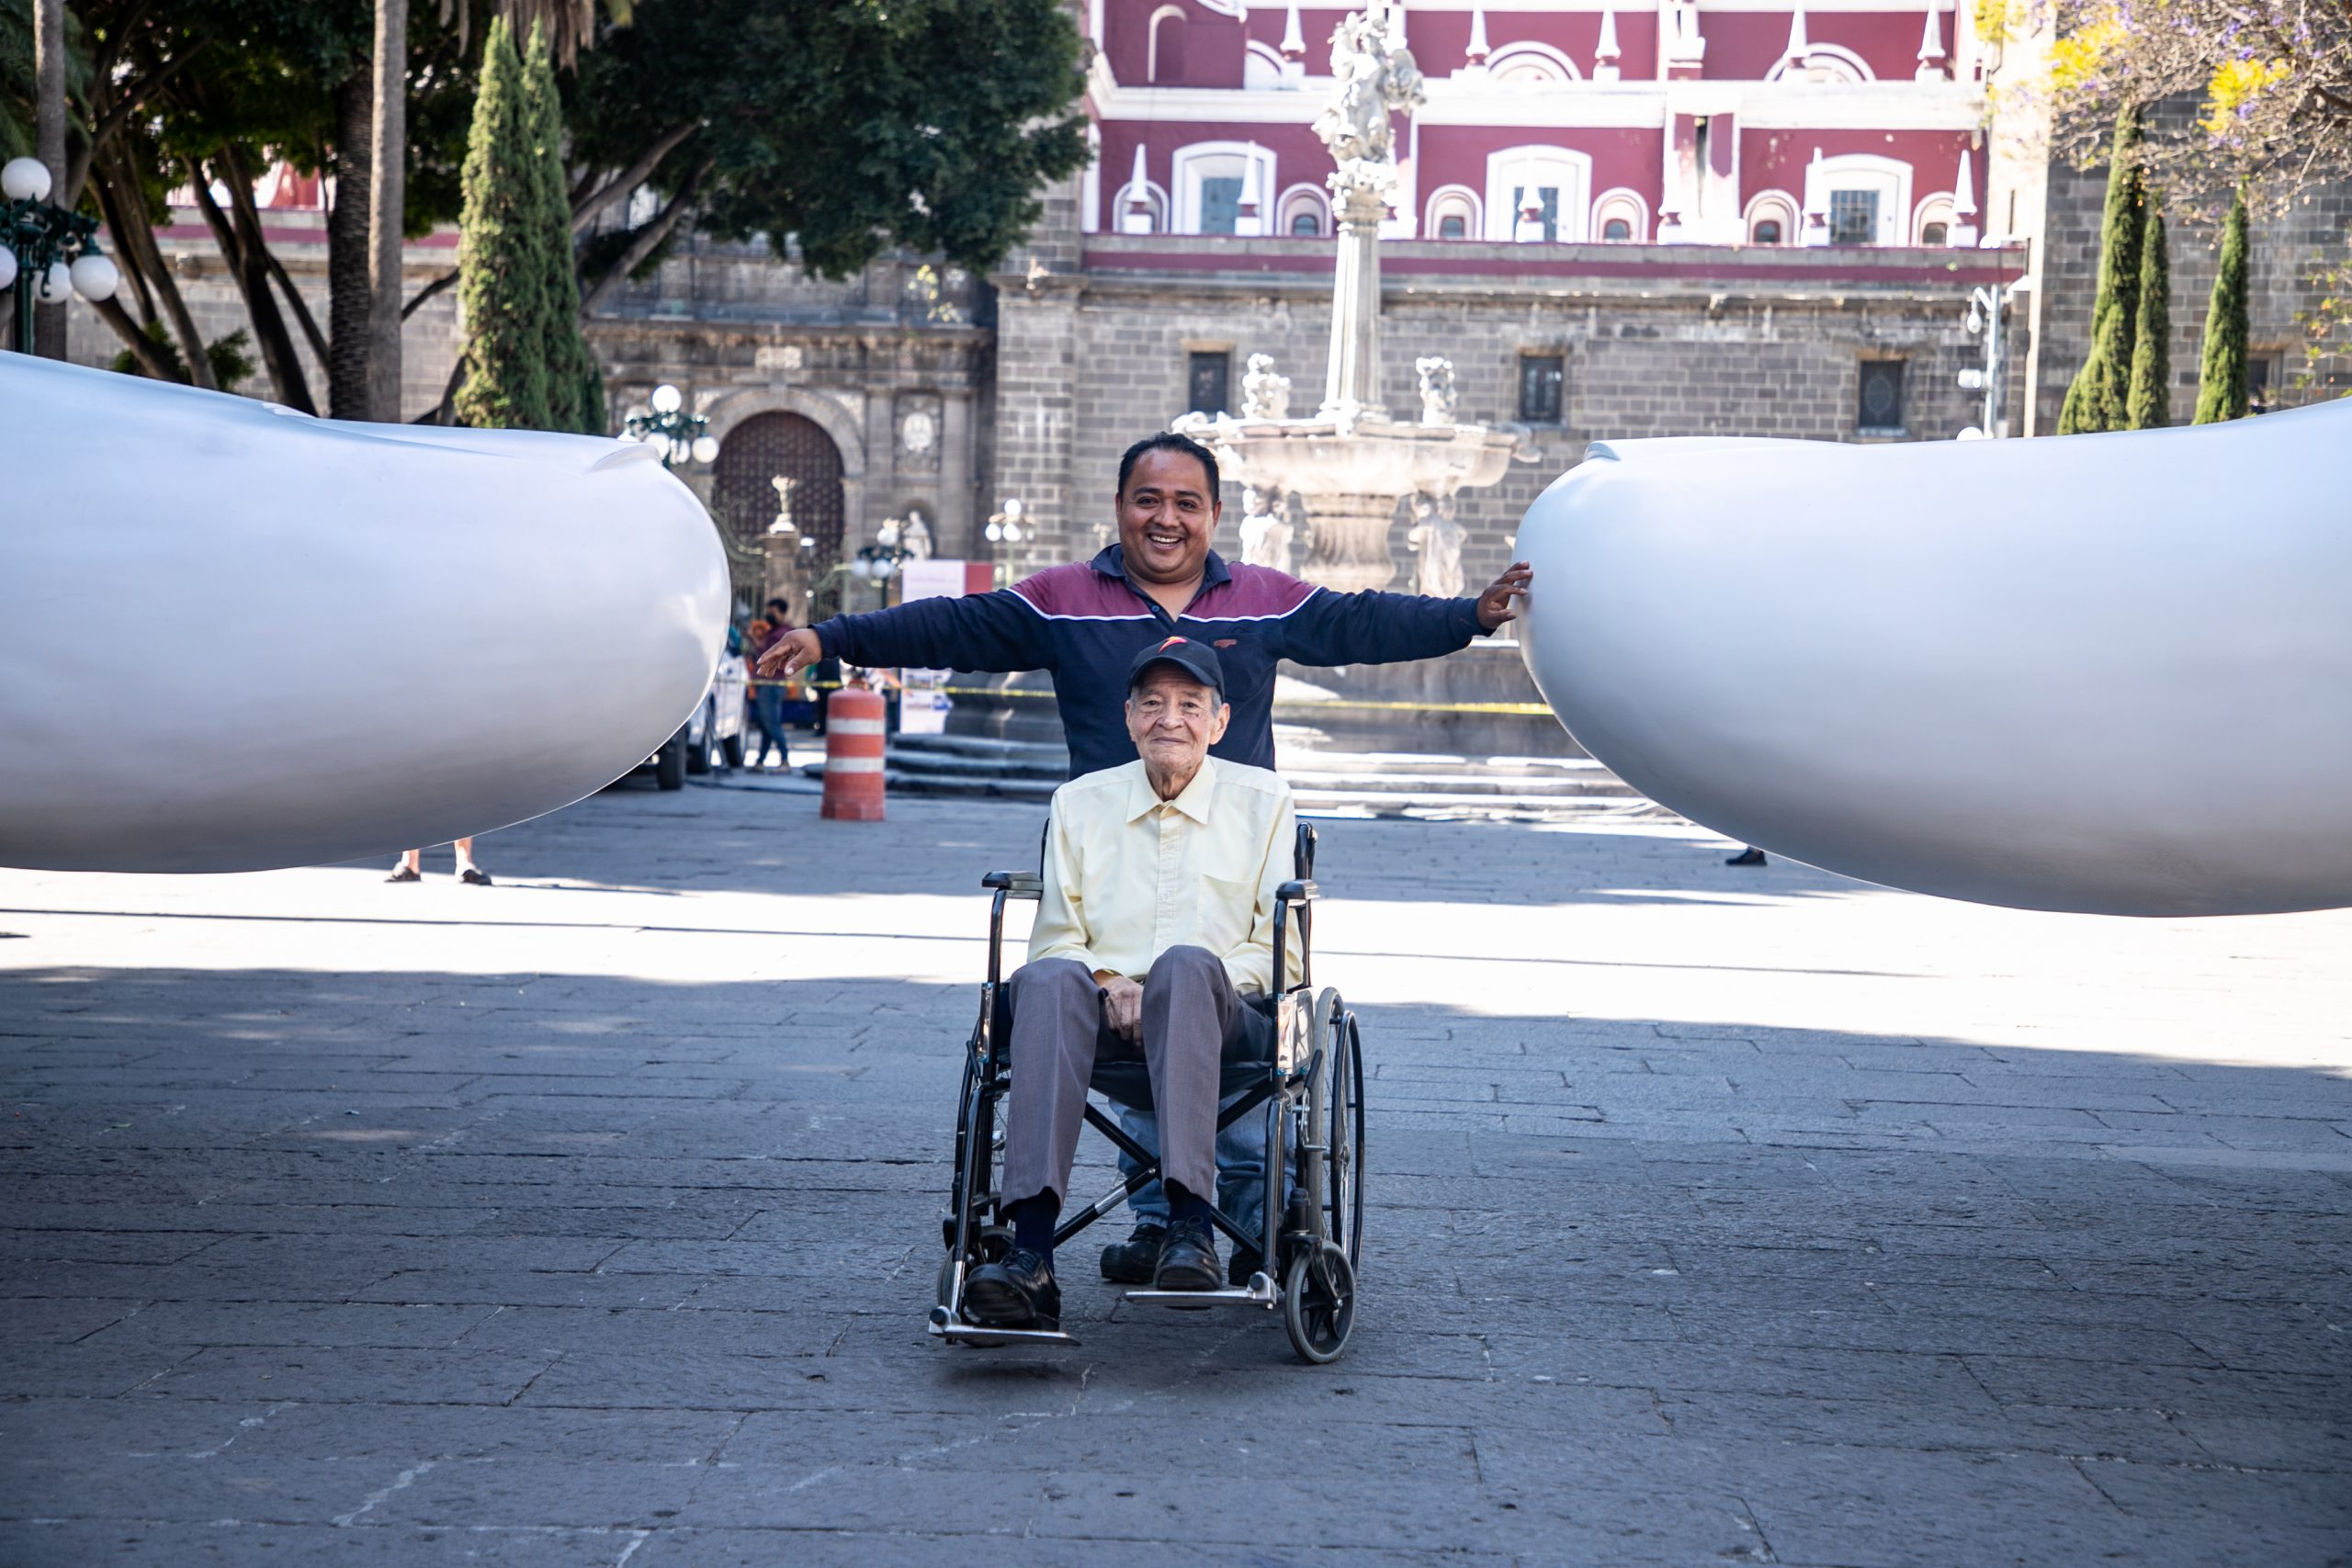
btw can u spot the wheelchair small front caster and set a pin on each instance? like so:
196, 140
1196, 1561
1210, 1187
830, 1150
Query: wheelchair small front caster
1320, 1303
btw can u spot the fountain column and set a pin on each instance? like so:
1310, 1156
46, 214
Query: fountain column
1352, 384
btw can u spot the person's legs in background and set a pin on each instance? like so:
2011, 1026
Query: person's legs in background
468, 872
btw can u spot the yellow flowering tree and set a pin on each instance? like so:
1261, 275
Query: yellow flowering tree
2268, 83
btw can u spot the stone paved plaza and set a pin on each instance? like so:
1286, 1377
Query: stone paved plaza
1718, 1216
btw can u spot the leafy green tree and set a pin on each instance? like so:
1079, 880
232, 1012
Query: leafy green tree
836, 128
2098, 395
2220, 368
502, 266
2149, 404
575, 386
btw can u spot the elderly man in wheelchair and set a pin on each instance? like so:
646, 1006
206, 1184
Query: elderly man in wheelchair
1161, 974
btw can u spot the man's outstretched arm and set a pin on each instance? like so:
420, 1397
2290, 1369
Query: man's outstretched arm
1380, 628
975, 631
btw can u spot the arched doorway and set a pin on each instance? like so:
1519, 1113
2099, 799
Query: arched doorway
752, 457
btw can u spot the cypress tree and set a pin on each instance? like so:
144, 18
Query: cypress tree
2099, 397
575, 386
502, 272
2221, 370
2149, 406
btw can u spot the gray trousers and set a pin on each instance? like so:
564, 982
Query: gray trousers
1193, 1022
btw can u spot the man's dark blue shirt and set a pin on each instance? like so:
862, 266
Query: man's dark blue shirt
1086, 622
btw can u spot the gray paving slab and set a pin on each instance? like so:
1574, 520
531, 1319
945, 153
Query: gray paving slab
1717, 1215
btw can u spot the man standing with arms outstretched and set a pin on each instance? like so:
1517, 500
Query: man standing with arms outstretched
1086, 622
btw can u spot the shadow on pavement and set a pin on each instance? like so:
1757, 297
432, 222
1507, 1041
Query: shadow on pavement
551, 1263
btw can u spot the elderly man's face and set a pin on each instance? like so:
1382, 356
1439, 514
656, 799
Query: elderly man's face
1166, 517
1173, 720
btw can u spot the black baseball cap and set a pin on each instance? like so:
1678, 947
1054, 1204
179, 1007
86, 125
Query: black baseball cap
1197, 659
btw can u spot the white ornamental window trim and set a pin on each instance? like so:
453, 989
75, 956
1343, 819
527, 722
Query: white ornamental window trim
1263, 68
1155, 196
1298, 198
1779, 204
1452, 201
1888, 179
1532, 167
1199, 160
1527, 54
1845, 68
1939, 207
1622, 201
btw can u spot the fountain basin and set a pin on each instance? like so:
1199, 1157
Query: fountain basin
1350, 475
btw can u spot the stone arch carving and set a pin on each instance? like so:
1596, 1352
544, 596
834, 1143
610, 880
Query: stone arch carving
828, 414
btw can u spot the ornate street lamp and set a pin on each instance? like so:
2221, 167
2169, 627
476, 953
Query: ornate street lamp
880, 561
46, 252
1004, 528
675, 434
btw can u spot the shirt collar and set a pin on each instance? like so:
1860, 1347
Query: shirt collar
1192, 800
1111, 561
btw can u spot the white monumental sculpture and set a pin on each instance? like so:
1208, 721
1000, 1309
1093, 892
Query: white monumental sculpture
342, 650
2105, 673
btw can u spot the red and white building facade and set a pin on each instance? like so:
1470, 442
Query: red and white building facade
1576, 121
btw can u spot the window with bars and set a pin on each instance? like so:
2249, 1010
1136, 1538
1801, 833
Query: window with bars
1209, 381
1878, 404
1853, 217
1542, 378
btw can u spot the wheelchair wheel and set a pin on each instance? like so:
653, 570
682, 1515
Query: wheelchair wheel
1320, 1303
1335, 1127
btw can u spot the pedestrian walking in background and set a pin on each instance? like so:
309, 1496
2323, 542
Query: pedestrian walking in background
767, 696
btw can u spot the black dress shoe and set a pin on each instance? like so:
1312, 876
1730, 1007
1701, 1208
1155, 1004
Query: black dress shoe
1018, 1292
1748, 856
1188, 1259
1135, 1260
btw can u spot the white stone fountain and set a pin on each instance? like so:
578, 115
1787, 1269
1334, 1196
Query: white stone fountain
1350, 464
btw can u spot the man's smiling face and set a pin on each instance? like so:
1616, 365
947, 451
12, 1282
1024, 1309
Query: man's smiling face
1166, 517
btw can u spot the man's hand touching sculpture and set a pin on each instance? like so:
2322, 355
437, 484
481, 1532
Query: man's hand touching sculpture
1495, 605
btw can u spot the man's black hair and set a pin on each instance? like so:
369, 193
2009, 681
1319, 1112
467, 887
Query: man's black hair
778, 603
1169, 441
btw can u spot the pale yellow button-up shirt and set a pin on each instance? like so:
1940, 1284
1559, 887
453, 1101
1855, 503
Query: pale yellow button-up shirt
1129, 875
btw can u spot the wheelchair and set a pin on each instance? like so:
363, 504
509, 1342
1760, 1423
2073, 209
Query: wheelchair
1310, 1092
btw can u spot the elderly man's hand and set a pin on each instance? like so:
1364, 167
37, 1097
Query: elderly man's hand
1123, 1007
792, 653
1494, 604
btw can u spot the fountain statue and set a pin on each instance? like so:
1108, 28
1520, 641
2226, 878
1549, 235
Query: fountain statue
1349, 463
1435, 539
1265, 535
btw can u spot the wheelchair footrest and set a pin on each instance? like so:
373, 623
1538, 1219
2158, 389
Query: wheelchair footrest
944, 1325
1261, 1291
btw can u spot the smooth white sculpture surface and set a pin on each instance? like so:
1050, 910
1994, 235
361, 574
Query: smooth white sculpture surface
2104, 673
234, 637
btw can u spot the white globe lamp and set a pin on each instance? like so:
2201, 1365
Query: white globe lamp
94, 277
25, 180
666, 399
57, 283
8, 266
706, 448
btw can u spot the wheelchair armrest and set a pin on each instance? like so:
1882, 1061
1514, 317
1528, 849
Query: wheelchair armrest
1300, 892
1015, 884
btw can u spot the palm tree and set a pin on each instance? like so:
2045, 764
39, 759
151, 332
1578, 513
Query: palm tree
387, 207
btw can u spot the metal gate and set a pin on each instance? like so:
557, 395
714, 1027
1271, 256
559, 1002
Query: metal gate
754, 455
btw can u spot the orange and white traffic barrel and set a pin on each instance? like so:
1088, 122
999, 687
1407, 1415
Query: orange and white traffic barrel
854, 736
